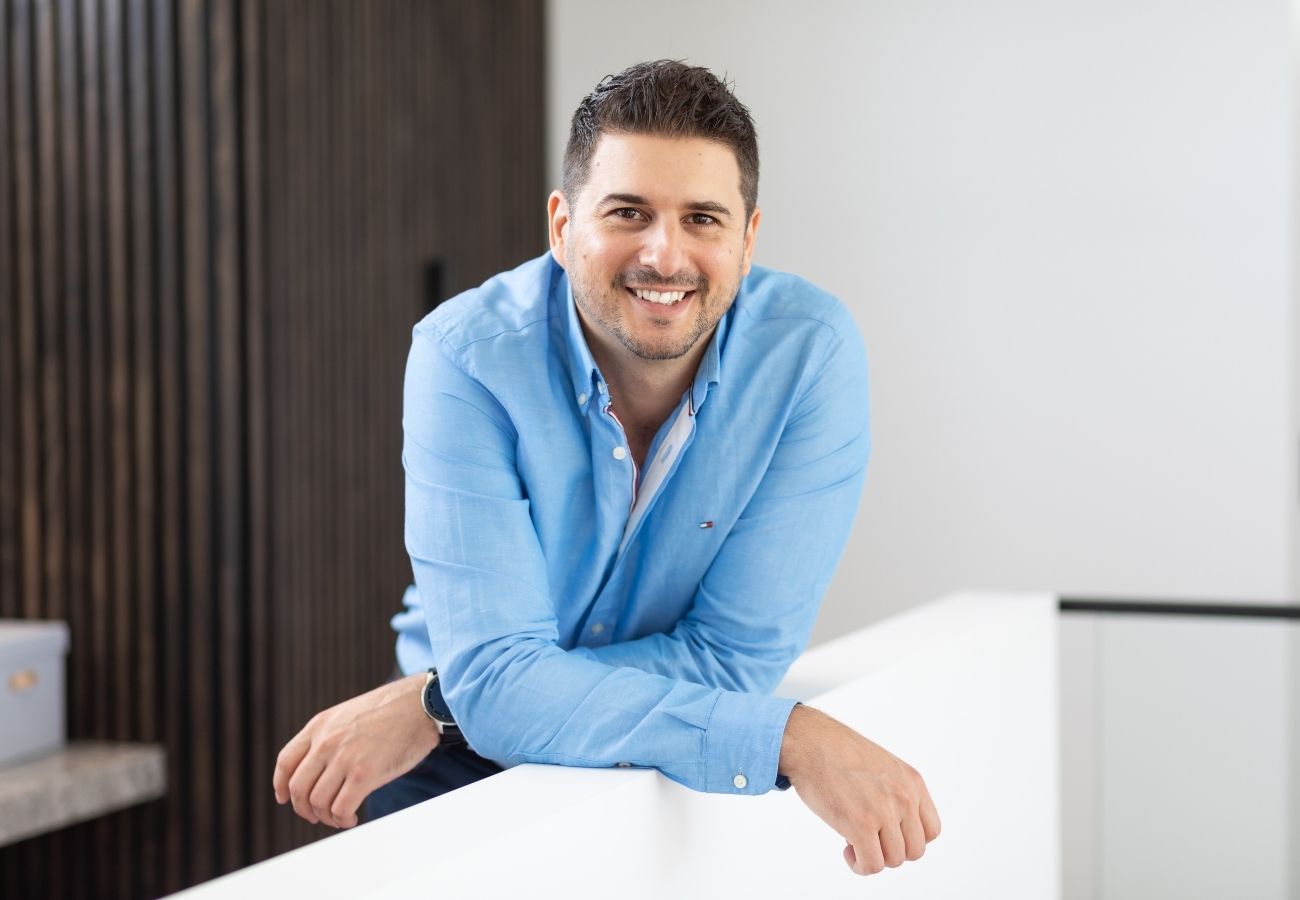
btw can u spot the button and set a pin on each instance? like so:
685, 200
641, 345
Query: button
582, 398
741, 782
597, 628
620, 453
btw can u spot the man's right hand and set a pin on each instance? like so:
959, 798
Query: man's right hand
349, 750
877, 802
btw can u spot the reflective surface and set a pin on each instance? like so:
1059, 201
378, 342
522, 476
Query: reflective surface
1179, 757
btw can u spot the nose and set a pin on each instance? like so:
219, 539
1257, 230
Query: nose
664, 247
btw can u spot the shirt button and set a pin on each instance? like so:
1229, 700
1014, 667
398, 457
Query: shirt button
740, 781
620, 453
597, 628
582, 398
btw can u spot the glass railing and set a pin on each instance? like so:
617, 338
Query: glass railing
1180, 743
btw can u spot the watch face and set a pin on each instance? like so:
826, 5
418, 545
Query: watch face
434, 705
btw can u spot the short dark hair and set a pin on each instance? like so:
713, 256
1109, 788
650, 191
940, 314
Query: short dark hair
666, 98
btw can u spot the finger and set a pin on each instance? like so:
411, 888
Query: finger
348, 801
929, 817
864, 857
913, 837
287, 763
892, 848
303, 782
323, 792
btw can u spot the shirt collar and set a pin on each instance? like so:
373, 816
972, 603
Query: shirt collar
587, 382
586, 377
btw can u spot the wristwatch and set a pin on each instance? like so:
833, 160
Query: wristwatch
436, 709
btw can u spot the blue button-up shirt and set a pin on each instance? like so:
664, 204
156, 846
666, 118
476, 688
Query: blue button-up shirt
581, 612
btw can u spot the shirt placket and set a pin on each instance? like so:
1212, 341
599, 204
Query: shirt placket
615, 473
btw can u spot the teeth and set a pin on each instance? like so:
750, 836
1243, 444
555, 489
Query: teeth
665, 298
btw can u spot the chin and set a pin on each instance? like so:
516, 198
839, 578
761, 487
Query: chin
659, 349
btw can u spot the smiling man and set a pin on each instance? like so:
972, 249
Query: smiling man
631, 467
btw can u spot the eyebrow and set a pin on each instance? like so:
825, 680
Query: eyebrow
708, 206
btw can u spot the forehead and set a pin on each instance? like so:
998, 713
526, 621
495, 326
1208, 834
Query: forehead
666, 170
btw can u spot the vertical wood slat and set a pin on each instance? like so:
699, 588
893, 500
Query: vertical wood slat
74, 275
258, 487
171, 551
143, 835
202, 479
72, 373
13, 437
279, 622
96, 692
24, 164
230, 564
195, 278
50, 286
120, 300
9, 496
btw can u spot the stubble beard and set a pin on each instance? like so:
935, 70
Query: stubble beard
609, 314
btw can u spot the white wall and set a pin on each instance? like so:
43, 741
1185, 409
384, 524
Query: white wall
1064, 229
1067, 231
1294, 681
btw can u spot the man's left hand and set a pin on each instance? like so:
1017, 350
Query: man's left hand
349, 750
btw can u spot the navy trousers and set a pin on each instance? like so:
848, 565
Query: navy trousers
443, 770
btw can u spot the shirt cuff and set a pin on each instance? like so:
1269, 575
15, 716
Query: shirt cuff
742, 744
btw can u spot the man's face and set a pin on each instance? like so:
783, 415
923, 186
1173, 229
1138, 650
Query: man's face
656, 243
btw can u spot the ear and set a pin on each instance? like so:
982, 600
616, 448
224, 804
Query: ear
751, 231
557, 217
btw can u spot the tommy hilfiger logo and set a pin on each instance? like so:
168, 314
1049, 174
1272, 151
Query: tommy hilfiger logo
708, 524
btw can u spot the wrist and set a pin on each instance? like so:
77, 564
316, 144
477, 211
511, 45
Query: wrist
437, 711
794, 745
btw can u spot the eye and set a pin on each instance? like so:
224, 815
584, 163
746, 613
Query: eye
701, 219
628, 212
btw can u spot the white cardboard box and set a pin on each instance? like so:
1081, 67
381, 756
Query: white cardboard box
31, 688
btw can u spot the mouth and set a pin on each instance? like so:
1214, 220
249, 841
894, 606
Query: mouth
661, 302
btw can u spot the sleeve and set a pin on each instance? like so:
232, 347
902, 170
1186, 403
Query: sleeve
755, 608
517, 696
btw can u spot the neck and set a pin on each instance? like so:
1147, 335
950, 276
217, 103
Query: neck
645, 391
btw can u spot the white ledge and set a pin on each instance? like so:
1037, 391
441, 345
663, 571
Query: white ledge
964, 689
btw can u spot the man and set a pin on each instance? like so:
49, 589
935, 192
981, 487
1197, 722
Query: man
631, 468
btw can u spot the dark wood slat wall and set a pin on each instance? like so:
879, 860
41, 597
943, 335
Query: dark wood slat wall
219, 220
